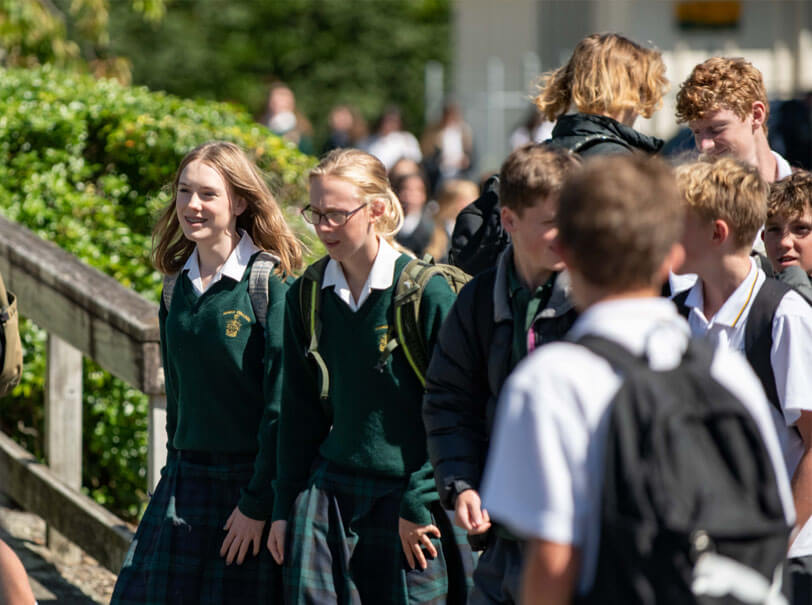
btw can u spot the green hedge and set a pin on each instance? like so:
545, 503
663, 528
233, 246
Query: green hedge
86, 164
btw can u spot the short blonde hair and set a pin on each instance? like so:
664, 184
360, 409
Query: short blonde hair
368, 175
607, 74
791, 196
721, 83
729, 190
262, 218
619, 217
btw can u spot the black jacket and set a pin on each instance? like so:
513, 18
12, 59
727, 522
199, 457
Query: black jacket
470, 363
573, 129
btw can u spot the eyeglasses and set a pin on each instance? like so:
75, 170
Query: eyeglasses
334, 218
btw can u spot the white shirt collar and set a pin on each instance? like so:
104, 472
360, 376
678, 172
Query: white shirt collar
784, 169
380, 276
735, 309
234, 267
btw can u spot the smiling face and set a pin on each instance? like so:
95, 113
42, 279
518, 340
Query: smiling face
723, 132
356, 236
788, 241
532, 232
206, 207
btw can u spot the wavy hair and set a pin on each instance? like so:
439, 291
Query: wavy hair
607, 74
262, 218
791, 196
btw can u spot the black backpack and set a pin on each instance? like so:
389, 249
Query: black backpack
478, 236
690, 508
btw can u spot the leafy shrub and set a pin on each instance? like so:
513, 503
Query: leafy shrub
85, 163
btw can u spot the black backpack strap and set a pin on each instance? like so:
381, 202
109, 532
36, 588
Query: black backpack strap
618, 356
309, 306
679, 301
758, 335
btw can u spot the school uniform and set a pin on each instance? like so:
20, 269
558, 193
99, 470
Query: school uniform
223, 383
544, 473
351, 465
790, 358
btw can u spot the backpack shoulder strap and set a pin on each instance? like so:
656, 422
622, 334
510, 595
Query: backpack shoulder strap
309, 306
408, 294
169, 289
758, 335
679, 301
595, 139
617, 355
264, 263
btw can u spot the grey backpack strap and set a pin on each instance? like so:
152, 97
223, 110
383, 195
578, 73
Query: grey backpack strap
169, 288
264, 263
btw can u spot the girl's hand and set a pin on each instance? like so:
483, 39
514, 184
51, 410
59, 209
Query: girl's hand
242, 532
413, 538
469, 514
276, 540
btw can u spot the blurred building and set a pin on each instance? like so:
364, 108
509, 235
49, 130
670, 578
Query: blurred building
501, 46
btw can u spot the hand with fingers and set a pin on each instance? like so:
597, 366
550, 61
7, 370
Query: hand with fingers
242, 533
414, 538
469, 514
276, 541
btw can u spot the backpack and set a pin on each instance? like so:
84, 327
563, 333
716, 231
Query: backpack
478, 236
690, 508
758, 332
263, 264
12, 348
407, 298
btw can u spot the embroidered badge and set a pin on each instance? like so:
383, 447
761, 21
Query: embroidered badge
235, 321
382, 333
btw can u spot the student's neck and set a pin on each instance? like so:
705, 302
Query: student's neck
211, 258
721, 281
356, 268
530, 276
765, 160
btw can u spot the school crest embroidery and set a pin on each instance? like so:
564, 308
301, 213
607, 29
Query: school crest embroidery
236, 320
383, 336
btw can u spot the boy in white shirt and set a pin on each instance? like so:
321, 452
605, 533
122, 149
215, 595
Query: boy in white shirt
620, 219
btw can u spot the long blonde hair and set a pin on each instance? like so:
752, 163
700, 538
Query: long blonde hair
607, 74
368, 175
262, 218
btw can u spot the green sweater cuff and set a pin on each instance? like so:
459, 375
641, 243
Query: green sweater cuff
256, 506
414, 507
284, 497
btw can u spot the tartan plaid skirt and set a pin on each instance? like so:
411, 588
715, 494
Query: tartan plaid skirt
343, 546
175, 554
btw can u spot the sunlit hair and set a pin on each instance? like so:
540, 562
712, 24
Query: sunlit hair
607, 74
791, 196
726, 189
721, 83
368, 175
262, 219
533, 172
618, 218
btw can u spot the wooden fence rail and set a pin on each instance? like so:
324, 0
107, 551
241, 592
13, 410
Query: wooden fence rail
85, 313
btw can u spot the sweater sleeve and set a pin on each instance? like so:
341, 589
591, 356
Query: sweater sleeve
303, 422
256, 500
457, 392
438, 297
170, 387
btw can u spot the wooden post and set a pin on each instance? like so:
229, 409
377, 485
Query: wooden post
63, 427
156, 437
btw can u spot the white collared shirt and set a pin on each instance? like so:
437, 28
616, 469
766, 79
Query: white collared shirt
380, 276
790, 357
544, 472
234, 267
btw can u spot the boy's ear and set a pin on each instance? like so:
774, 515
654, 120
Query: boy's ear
508, 218
759, 113
721, 231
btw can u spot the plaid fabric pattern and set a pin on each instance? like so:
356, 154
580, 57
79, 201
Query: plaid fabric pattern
175, 554
343, 545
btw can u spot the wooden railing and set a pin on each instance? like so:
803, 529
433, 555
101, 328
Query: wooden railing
85, 313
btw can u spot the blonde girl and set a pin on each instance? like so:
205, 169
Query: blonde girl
199, 540
354, 492
598, 94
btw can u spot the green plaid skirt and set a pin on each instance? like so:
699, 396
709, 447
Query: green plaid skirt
175, 554
343, 546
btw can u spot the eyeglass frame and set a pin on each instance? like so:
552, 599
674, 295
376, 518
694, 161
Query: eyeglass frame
347, 214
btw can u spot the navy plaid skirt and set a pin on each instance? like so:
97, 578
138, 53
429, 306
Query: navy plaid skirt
175, 554
343, 546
